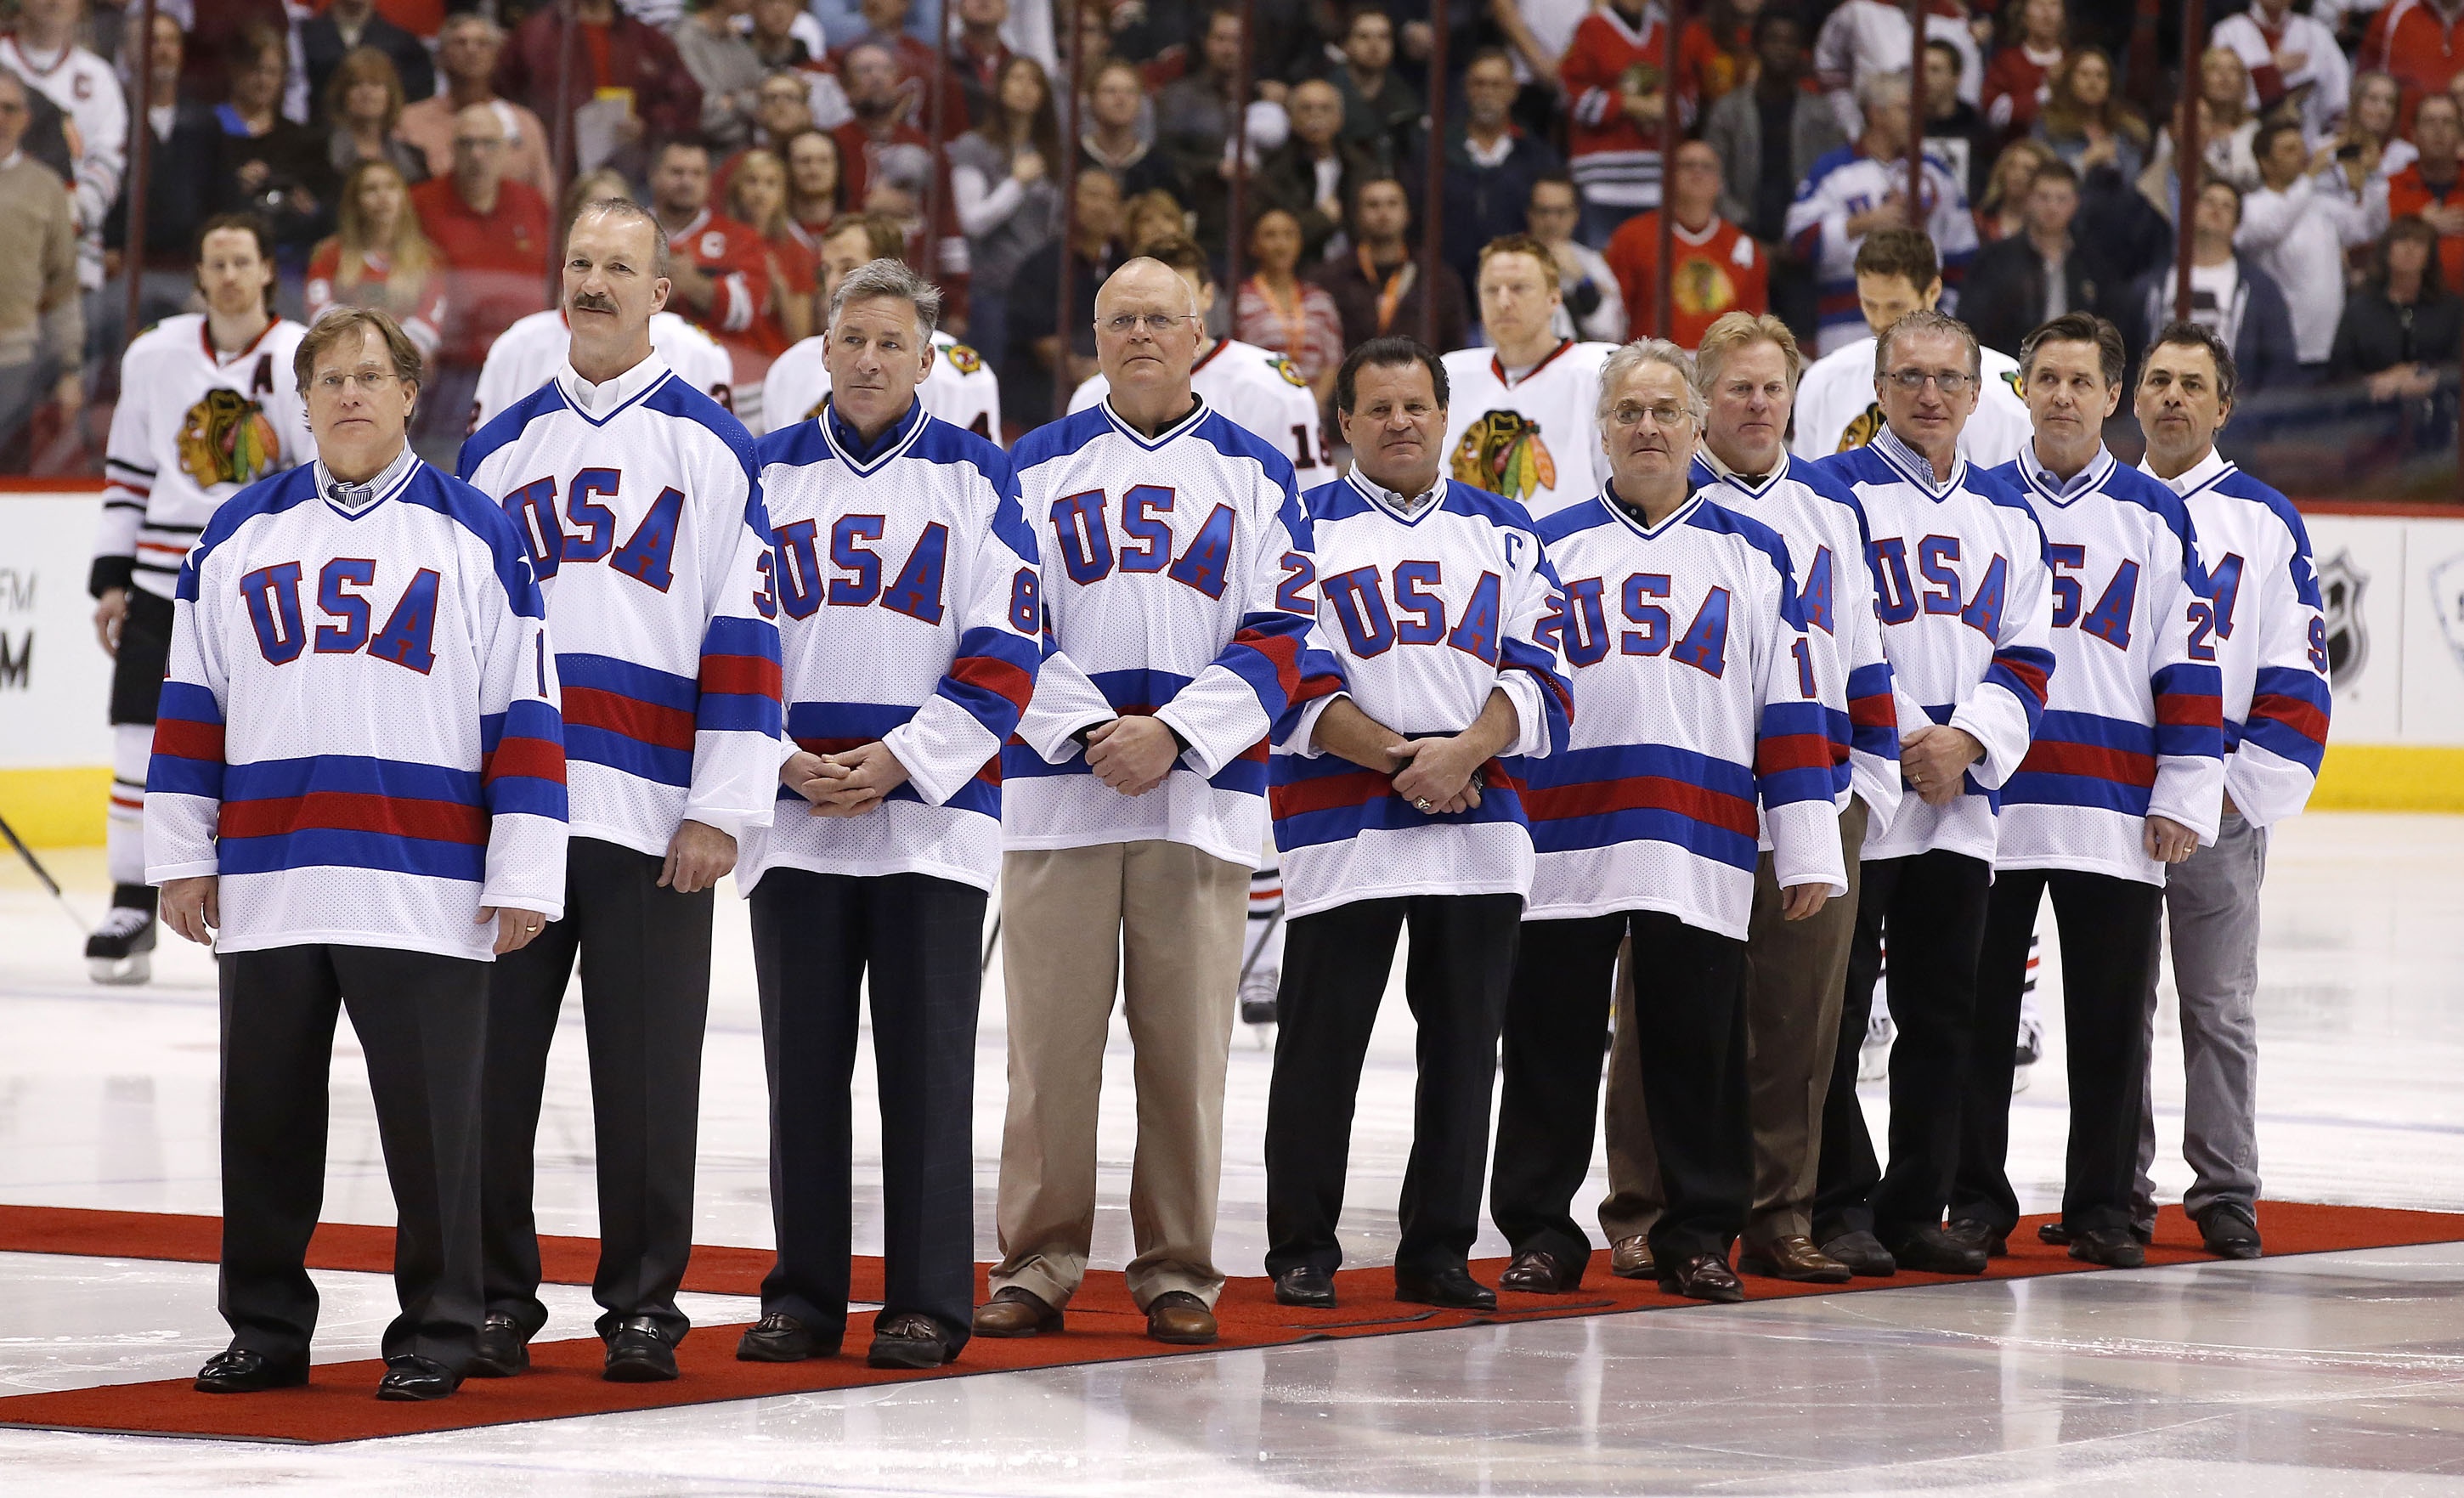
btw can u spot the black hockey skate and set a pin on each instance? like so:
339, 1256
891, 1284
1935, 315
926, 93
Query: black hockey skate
120, 951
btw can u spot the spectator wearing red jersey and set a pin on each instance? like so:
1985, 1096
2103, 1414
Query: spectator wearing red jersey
467, 55
2427, 189
1715, 50
878, 137
612, 54
2420, 43
917, 62
494, 236
1718, 267
2020, 76
1620, 90
979, 54
720, 268
381, 259
757, 196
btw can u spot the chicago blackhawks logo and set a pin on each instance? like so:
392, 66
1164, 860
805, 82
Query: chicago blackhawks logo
1504, 455
2013, 379
1292, 372
964, 359
1701, 287
1867, 426
226, 439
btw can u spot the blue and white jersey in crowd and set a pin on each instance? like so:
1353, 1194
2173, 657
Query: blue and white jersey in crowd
1824, 527
2131, 727
1431, 604
359, 732
1695, 703
1177, 583
2268, 632
1967, 608
1845, 183
638, 501
910, 613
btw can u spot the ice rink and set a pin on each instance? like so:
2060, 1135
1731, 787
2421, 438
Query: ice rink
2334, 1374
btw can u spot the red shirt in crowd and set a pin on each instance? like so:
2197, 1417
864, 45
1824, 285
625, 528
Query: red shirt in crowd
2421, 49
496, 263
2408, 195
1718, 270
2015, 89
738, 261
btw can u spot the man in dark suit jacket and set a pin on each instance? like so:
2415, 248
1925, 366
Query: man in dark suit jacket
1314, 174
1491, 165
2015, 285
347, 24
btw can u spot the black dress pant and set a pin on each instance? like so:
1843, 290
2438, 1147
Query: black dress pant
820, 941
1689, 1043
421, 1020
1932, 907
2109, 943
1336, 966
645, 955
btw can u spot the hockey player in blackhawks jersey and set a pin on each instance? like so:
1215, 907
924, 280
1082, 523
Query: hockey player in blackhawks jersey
638, 499
2120, 783
208, 406
910, 625
1525, 421
358, 796
527, 355
959, 387
2262, 619
1696, 701
1398, 802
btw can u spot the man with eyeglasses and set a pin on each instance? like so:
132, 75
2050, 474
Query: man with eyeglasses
1697, 701
1960, 586
1179, 600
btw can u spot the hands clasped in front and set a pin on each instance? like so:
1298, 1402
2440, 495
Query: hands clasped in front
847, 783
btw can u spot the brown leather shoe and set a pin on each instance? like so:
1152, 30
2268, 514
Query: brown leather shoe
1016, 1311
1795, 1259
1180, 1319
1537, 1272
1630, 1258
1702, 1277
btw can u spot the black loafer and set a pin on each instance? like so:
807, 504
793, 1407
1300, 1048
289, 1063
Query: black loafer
779, 1338
416, 1380
2113, 1248
1864, 1255
1929, 1251
240, 1371
503, 1350
908, 1340
639, 1353
1976, 1233
1305, 1285
1705, 1276
2229, 1235
1453, 1289
1536, 1272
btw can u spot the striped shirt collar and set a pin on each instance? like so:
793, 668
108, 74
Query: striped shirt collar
1403, 507
355, 499
2086, 480
1917, 467
867, 458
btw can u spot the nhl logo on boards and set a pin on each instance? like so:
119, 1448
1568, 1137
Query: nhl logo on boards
1503, 454
2341, 586
2447, 593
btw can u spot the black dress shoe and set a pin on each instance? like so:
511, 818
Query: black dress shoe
1705, 1276
779, 1338
409, 1381
1864, 1255
1976, 1233
1929, 1251
1536, 1272
1305, 1285
908, 1340
2228, 1234
503, 1351
2053, 1233
1451, 1287
240, 1371
2113, 1248
639, 1353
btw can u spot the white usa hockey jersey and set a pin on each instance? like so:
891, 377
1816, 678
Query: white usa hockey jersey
1694, 701
192, 429
359, 735
1836, 409
958, 388
910, 612
1844, 184
1177, 583
1967, 609
2131, 727
639, 506
90, 94
1253, 388
1534, 438
1428, 611
528, 354
1824, 528
2270, 637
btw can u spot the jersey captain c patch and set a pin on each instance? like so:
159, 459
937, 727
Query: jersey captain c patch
1503, 454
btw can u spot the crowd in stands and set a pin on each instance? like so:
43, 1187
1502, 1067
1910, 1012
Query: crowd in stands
416, 155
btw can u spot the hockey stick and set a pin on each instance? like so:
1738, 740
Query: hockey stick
41, 873
1260, 950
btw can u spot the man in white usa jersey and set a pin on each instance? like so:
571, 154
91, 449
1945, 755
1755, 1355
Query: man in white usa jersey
1432, 596
1794, 969
2270, 642
911, 630
1178, 605
1696, 702
638, 499
208, 406
2120, 785
367, 823
1861, 189
958, 387
1524, 420
527, 355
1961, 586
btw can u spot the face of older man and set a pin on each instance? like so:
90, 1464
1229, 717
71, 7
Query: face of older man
871, 75
14, 114
1927, 389
479, 152
1146, 329
876, 356
469, 49
1750, 405
358, 405
611, 278
1650, 432
1395, 426
1317, 113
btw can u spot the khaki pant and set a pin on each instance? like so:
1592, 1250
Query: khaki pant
1068, 918
1796, 972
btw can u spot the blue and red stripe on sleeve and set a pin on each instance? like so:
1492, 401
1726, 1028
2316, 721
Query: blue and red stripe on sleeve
2190, 711
740, 678
1793, 754
522, 761
1556, 693
2023, 670
1271, 652
2288, 715
993, 677
188, 743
